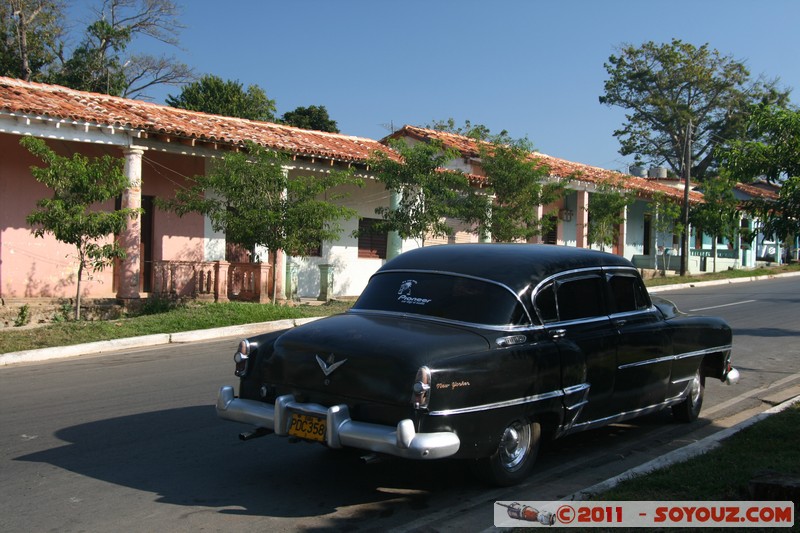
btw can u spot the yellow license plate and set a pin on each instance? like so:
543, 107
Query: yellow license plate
307, 427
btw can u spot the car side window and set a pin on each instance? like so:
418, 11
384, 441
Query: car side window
627, 293
580, 298
545, 304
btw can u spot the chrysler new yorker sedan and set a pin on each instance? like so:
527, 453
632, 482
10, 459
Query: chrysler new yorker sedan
479, 351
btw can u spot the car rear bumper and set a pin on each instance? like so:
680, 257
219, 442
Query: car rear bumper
340, 430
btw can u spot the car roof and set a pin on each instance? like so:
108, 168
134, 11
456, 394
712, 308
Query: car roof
517, 266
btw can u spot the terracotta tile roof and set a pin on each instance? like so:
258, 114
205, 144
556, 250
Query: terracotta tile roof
756, 192
17, 96
560, 168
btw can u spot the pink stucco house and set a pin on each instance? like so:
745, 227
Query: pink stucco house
164, 147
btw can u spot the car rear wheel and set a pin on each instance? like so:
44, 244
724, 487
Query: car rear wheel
515, 456
689, 409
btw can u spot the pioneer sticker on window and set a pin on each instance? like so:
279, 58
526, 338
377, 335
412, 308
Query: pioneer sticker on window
404, 294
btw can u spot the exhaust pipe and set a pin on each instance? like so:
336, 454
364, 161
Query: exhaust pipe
258, 432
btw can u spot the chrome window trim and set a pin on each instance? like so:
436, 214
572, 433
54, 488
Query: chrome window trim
648, 311
676, 357
572, 274
427, 318
565, 323
566, 273
626, 271
601, 271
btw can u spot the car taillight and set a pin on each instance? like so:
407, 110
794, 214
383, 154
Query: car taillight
242, 357
422, 388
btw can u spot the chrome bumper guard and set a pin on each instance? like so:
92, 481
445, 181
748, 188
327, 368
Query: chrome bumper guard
340, 430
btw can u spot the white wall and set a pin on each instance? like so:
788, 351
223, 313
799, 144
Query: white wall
350, 273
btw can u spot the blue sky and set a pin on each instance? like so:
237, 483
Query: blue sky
534, 68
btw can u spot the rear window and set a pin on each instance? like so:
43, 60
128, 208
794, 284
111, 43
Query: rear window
442, 296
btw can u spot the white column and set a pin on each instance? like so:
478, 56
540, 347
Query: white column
131, 237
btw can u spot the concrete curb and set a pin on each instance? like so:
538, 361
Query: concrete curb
711, 283
94, 348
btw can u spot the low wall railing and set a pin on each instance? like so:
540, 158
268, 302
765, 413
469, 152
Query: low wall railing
217, 280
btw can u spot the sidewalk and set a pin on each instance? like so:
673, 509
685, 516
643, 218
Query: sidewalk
94, 348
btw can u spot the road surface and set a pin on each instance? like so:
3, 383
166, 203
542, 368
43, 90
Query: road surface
130, 441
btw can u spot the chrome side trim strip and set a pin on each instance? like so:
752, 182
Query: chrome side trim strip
625, 415
707, 351
499, 405
646, 362
676, 357
572, 389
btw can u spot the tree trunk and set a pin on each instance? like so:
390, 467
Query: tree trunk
714, 253
22, 39
274, 272
78, 293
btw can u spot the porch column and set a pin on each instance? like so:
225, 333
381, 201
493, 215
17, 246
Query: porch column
622, 232
221, 281
582, 220
394, 244
538, 239
131, 237
280, 289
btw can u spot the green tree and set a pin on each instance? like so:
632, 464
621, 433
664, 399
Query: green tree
250, 197
718, 215
606, 212
518, 183
473, 131
772, 150
782, 217
664, 87
31, 32
429, 194
665, 215
101, 62
313, 117
212, 94
72, 216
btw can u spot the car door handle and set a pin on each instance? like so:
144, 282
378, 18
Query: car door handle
557, 333
619, 323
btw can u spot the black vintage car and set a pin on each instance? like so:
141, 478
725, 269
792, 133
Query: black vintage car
478, 351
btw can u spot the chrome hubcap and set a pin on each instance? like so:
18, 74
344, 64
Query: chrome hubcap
515, 445
695, 392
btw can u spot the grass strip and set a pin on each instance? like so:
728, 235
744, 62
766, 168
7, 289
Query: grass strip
188, 317
724, 472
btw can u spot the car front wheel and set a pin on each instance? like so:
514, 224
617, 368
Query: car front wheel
689, 409
515, 456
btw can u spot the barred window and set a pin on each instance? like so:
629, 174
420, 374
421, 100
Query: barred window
371, 243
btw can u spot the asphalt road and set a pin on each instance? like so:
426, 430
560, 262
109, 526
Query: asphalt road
130, 441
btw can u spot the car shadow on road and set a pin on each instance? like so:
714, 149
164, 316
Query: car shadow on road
187, 456
764, 332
